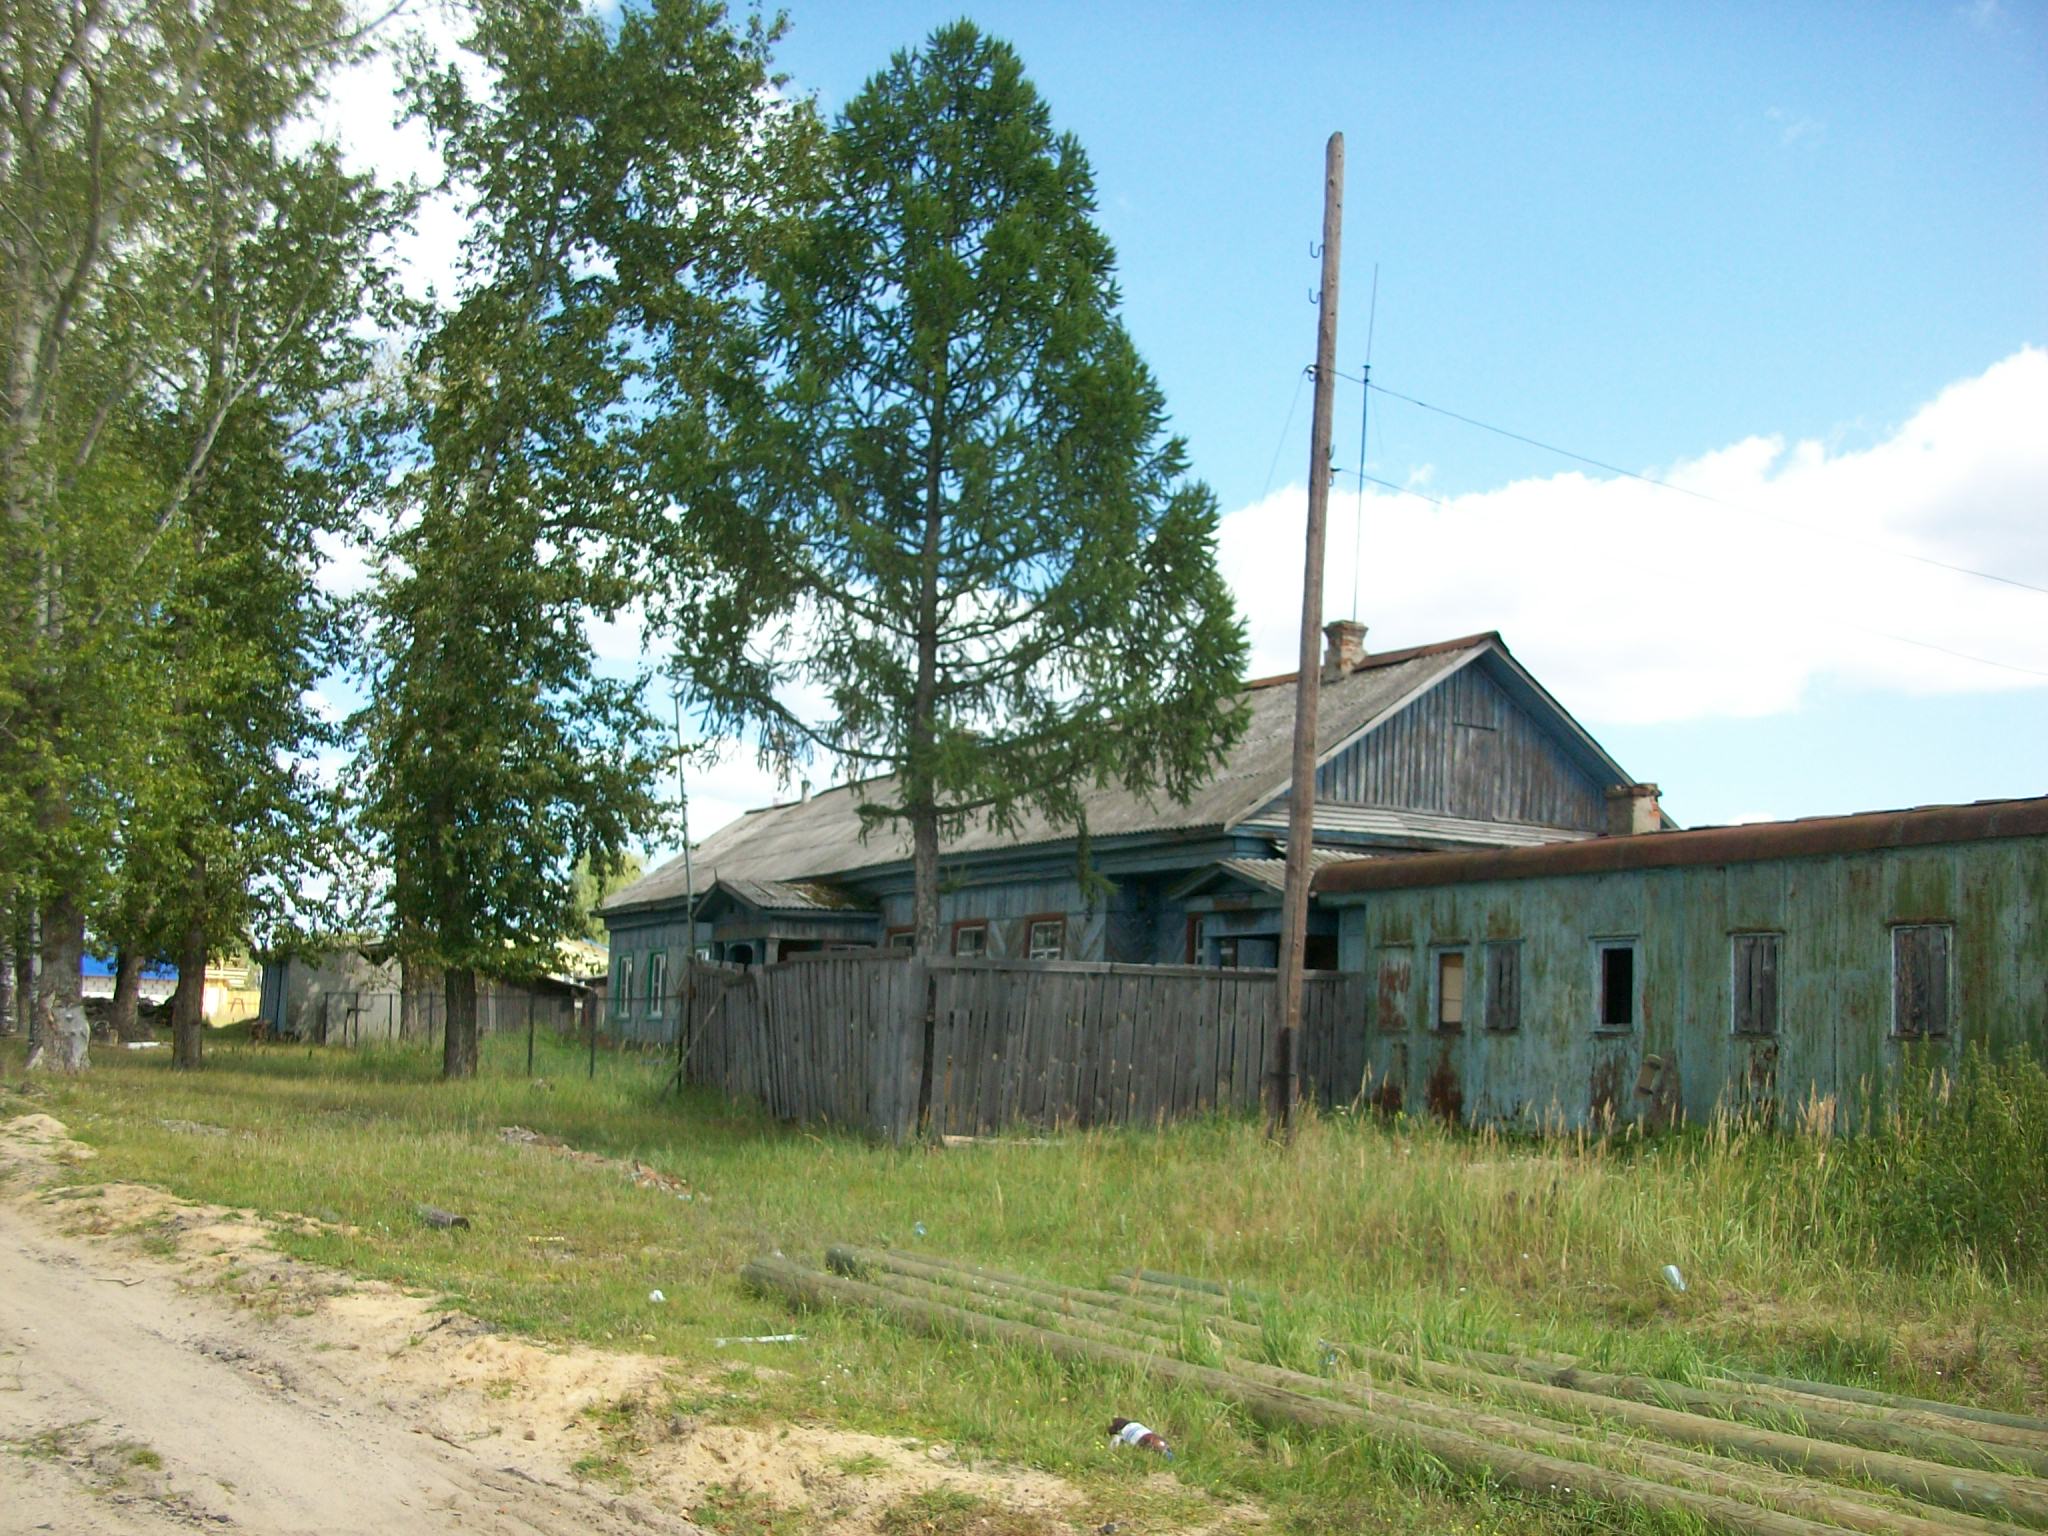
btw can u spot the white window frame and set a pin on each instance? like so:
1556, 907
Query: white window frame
657, 981
976, 926
1033, 950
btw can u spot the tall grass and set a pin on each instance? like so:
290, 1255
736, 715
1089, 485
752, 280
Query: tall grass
1908, 1259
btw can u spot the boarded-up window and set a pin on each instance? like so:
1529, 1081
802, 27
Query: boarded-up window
1396, 979
1920, 966
1450, 989
1504, 985
657, 981
1617, 979
970, 940
1047, 938
1754, 982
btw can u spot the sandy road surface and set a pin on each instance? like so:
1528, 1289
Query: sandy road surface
165, 1368
104, 1371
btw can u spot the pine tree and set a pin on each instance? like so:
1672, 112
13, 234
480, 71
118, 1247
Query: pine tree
950, 506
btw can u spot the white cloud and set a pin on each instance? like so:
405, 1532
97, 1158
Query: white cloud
1634, 603
1793, 127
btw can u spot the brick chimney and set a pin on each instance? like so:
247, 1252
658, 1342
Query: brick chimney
1632, 809
1343, 648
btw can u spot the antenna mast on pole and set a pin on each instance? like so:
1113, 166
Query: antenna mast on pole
1286, 1076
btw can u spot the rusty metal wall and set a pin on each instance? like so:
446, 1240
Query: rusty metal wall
1834, 1042
1466, 749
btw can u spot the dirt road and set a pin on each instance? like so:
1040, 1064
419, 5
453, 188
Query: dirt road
134, 1406
165, 1368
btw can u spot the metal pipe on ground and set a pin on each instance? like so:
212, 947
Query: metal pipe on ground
1545, 1475
1988, 1492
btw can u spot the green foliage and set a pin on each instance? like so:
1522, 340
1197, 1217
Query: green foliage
951, 506
614, 175
1957, 1169
591, 888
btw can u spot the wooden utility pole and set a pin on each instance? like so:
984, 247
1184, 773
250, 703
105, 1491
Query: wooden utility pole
1286, 1076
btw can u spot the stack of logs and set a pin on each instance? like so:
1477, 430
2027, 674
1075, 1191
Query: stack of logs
1743, 1453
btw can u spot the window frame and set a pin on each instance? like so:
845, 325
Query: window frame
1438, 953
622, 996
1494, 949
1382, 953
1632, 946
1045, 920
904, 938
1737, 938
1947, 930
970, 925
657, 981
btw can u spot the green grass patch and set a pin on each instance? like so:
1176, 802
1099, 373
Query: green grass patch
1397, 1235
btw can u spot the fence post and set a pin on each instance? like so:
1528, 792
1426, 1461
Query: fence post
591, 1073
529, 1031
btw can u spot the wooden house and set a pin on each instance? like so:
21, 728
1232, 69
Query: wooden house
1783, 968
1429, 748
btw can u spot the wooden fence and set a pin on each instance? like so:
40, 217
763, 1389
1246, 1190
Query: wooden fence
881, 1042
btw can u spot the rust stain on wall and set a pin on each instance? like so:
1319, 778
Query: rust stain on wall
1445, 1096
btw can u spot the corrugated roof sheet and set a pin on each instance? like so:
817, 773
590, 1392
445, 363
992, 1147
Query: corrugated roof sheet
1811, 836
794, 895
821, 837
1272, 873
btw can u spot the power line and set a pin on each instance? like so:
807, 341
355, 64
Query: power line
1733, 506
1274, 468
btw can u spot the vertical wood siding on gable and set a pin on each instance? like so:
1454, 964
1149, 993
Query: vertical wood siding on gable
1466, 749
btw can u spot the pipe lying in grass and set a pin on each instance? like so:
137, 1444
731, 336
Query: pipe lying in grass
1161, 1311
1546, 1475
1657, 1461
1984, 1447
1931, 1413
1663, 1463
1986, 1492
1893, 1400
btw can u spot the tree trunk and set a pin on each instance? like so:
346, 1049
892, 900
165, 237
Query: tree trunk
7, 973
61, 1033
458, 1045
188, 1008
924, 867
25, 944
127, 991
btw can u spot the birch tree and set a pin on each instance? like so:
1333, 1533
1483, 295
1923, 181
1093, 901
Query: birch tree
142, 188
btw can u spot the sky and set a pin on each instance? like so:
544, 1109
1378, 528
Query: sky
1789, 259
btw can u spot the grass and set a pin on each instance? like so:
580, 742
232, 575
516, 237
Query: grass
1398, 1234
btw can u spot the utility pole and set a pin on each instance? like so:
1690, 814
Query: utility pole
1286, 1076
689, 1019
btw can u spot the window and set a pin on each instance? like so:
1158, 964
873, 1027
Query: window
1753, 983
623, 1002
1617, 979
970, 940
1046, 938
1920, 980
1396, 978
657, 979
1504, 985
902, 938
1450, 989
1226, 954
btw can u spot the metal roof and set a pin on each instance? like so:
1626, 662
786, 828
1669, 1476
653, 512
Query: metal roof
1812, 836
794, 895
1418, 826
821, 837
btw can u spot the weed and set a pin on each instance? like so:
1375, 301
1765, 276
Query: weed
734, 1511
866, 1464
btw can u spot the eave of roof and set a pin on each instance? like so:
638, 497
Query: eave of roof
1921, 826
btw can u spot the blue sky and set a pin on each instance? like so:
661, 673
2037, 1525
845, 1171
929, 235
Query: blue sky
1793, 258
1645, 233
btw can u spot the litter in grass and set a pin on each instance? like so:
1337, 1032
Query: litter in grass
759, 1338
656, 1297
1674, 1279
1131, 1432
